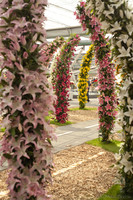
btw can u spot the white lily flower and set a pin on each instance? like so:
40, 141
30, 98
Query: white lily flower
53, 64
124, 161
129, 42
131, 59
118, 78
108, 12
124, 62
89, 5
123, 38
123, 102
121, 13
100, 8
129, 114
128, 167
119, 44
105, 25
115, 27
130, 28
123, 93
128, 14
117, 157
114, 1
120, 120
126, 84
124, 52
118, 4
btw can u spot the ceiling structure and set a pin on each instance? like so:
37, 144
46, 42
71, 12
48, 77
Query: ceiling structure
59, 14
61, 21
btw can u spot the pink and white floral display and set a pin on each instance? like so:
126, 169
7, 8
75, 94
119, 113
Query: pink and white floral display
51, 48
26, 99
61, 83
106, 70
117, 19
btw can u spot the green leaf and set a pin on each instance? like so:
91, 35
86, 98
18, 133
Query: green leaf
49, 141
7, 155
13, 132
2, 130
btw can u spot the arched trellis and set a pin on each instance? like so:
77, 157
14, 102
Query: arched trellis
83, 77
117, 19
61, 82
106, 78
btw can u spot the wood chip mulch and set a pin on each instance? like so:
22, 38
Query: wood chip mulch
85, 181
83, 172
82, 115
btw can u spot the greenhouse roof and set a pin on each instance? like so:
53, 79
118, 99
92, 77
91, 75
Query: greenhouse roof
61, 21
59, 13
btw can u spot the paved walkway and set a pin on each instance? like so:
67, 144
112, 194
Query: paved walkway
93, 102
73, 135
76, 134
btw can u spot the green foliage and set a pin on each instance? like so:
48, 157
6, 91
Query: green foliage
119, 131
115, 193
60, 124
112, 146
2, 130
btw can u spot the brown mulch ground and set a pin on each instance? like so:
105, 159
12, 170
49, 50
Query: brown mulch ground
86, 180
80, 173
82, 115
83, 172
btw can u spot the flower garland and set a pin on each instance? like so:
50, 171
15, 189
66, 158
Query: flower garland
107, 99
26, 99
53, 67
51, 48
117, 18
62, 77
83, 76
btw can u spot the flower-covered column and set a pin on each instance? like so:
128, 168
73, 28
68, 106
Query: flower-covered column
61, 82
26, 99
117, 19
83, 77
106, 78
50, 49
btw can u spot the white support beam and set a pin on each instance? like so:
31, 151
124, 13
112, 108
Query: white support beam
65, 32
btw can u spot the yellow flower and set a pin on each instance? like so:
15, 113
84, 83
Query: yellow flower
83, 75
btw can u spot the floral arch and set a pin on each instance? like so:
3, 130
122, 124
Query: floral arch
107, 98
61, 83
117, 18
